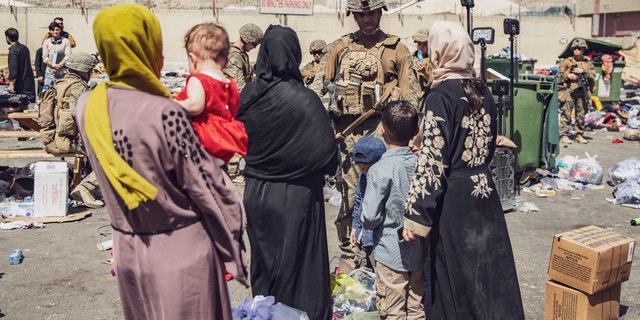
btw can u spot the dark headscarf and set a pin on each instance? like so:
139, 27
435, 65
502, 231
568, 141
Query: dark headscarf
290, 135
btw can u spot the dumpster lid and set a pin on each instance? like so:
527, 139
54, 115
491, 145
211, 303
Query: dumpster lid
599, 46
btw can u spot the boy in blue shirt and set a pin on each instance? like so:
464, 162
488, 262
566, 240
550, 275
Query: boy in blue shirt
366, 152
399, 264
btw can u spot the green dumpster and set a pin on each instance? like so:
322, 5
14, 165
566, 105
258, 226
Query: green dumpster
501, 65
535, 122
608, 92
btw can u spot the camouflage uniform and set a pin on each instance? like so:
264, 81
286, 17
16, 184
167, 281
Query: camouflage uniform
310, 69
239, 69
87, 190
422, 36
424, 83
392, 59
309, 72
570, 92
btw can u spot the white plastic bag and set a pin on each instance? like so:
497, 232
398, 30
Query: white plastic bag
625, 170
586, 171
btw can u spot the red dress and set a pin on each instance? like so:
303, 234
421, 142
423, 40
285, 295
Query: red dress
217, 128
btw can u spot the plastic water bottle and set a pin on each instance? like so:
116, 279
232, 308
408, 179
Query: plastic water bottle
15, 257
419, 55
635, 222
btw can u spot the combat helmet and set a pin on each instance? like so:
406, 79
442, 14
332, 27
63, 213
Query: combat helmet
365, 5
251, 33
81, 61
318, 45
579, 43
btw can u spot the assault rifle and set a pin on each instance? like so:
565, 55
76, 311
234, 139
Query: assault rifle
583, 83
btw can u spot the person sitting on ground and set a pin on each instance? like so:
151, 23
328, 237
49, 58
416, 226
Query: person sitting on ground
366, 152
74, 84
63, 33
210, 97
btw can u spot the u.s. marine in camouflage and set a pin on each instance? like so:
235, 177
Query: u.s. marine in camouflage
239, 67
422, 66
317, 49
575, 82
359, 70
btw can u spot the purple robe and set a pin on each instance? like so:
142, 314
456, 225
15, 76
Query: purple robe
170, 253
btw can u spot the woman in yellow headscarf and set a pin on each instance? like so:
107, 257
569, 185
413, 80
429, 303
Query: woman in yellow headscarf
177, 218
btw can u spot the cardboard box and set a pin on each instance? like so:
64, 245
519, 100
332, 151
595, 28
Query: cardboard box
564, 303
51, 189
591, 259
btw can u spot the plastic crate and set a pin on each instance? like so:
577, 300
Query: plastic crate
502, 170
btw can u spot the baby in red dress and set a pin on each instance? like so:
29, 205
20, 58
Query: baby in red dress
209, 96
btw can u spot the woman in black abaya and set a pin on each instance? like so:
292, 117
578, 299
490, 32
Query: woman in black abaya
291, 148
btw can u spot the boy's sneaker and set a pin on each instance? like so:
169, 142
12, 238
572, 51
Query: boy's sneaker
83, 195
565, 140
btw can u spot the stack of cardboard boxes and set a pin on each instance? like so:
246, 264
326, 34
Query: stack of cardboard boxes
586, 268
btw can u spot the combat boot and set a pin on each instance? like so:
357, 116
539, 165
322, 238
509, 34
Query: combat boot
80, 193
581, 139
565, 140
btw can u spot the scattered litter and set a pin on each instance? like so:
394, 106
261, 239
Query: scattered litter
528, 207
628, 169
262, 307
16, 257
105, 245
20, 225
545, 193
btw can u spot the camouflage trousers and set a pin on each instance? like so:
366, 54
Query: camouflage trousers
90, 182
582, 108
348, 179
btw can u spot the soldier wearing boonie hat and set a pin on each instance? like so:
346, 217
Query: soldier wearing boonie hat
317, 49
422, 65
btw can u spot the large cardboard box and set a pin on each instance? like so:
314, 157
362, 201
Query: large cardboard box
564, 303
591, 259
51, 189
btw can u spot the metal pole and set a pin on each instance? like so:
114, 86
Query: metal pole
468, 20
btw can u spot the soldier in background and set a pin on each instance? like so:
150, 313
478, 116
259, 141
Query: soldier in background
575, 82
422, 62
239, 67
317, 49
363, 71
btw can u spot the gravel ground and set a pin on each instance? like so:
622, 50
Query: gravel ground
64, 276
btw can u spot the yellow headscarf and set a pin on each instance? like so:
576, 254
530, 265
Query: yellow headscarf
129, 40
